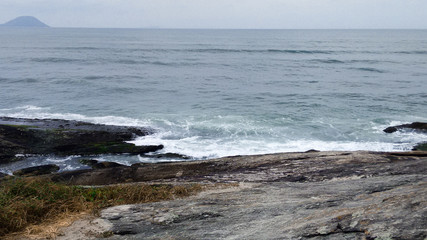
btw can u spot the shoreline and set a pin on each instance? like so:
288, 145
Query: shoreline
314, 195
305, 195
21, 138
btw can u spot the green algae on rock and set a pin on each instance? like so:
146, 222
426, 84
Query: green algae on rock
64, 137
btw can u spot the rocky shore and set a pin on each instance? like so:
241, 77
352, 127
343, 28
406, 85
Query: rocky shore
309, 195
20, 137
314, 195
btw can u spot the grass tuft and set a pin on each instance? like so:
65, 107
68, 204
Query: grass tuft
29, 201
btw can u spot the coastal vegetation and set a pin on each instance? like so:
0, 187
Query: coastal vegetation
29, 201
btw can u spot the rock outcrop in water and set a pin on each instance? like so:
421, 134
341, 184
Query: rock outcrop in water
415, 126
314, 195
37, 170
420, 127
63, 137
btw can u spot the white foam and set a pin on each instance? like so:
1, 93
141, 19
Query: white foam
59, 159
204, 137
200, 148
30, 111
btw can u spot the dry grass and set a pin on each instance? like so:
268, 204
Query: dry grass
26, 202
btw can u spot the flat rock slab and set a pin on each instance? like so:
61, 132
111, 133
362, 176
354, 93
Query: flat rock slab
347, 209
319, 195
282, 167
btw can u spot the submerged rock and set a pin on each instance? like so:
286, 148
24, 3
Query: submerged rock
37, 170
417, 126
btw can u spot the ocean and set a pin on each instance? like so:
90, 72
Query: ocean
215, 93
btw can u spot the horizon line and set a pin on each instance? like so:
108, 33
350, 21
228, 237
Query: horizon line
219, 28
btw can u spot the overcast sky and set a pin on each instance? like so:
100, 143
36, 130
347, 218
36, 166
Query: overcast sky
287, 14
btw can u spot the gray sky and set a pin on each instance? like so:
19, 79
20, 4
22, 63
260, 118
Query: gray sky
288, 14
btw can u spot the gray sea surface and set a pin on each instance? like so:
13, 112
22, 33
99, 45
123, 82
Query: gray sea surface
213, 93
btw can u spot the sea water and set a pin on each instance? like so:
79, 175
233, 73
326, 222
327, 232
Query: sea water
214, 93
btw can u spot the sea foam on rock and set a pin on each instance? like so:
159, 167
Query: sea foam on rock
415, 126
63, 137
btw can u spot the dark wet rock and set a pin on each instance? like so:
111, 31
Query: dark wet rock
9, 158
286, 167
88, 162
315, 195
37, 170
390, 130
2, 175
63, 137
420, 147
124, 131
168, 156
415, 126
102, 165
104, 148
99, 165
312, 150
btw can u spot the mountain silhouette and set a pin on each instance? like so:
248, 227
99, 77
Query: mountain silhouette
25, 21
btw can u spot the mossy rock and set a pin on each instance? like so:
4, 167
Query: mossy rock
110, 148
88, 162
37, 170
62, 137
420, 147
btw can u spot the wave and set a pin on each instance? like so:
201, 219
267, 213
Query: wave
232, 50
19, 80
364, 61
369, 69
30, 111
79, 48
328, 61
199, 148
56, 60
290, 51
218, 136
156, 63
422, 52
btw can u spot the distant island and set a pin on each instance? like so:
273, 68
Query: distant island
24, 21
